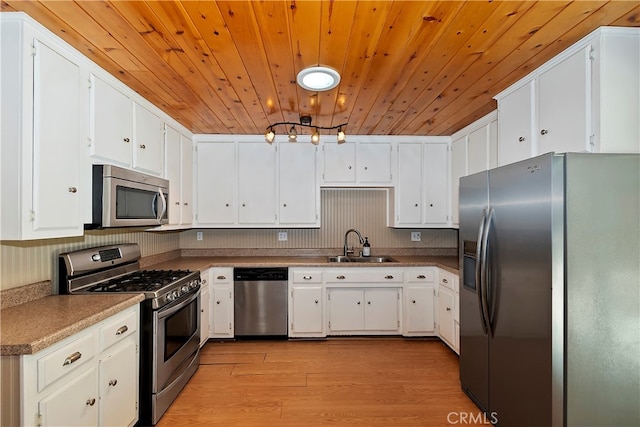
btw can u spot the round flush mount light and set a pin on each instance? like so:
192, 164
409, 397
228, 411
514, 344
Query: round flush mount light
318, 78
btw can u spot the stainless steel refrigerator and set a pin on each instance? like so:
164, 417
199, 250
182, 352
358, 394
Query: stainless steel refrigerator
550, 295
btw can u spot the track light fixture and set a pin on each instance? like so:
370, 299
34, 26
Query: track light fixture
305, 121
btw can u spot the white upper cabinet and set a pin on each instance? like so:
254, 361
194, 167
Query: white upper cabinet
123, 132
584, 100
421, 190
253, 184
43, 182
474, 149
179, 169
299, 186
356, 164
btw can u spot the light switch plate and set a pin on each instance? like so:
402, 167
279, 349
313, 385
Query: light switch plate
415, 236
282, 236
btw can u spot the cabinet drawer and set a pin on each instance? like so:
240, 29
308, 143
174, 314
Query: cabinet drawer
118, 329
349, 275
64, 360
421, 276
307, 277
222, 276
448, 281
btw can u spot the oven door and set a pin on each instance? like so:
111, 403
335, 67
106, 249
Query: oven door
176, 338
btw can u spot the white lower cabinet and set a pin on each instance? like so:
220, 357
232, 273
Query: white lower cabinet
306, 308
221, 318
420, 301
363, 311
448, 309
89, 378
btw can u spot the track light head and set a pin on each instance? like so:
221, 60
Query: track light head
270, 136
342, 138
293, 135
315, 137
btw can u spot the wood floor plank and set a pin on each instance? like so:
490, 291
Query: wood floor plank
354, 382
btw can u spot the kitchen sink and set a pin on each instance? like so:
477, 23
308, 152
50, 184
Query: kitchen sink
371, 259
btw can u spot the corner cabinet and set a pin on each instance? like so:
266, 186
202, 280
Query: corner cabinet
256, 185
583, 100
422, 192
44, 92
89, 378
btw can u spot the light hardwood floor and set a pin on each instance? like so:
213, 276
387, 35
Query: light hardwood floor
341, 381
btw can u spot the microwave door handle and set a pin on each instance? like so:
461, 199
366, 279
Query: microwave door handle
164, 205
153, 205
478, 272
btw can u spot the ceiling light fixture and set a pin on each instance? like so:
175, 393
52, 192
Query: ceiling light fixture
305, 121
318, 78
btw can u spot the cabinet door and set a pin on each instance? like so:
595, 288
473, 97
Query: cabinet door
408, 189
256, 183
515, 125
436, 188
564, 105
173, 173
222, 311
299, 189
186, 180
148, 153
420, 310
56, 209
111, 123
306, 310
74, 403
339, 163
446, 306
373, 163
381, 310
458, 170
118, 384
477, 151
346, 310
216, 177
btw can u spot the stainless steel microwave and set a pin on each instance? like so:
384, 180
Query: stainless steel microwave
125, 198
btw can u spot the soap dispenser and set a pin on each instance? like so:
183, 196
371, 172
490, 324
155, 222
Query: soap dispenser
366, 247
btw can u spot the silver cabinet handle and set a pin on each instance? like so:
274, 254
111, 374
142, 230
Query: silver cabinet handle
126, 139
389, 277
221, 277
91, 402
73, 190
421, 276
544, 132
521, 139
341, 277
113, 382
70, 359
122, 329
307, 277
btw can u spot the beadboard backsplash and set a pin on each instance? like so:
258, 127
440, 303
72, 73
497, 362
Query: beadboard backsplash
342, 209
28, 262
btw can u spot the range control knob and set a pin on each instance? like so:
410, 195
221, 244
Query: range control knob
170, 297
185, 288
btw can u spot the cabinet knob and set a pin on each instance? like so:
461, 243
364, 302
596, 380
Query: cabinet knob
448, 308
358, 302
243, 205
143, 146
445, 281
186, 203
349, 167
521, 139
416, 205
388, 277
177, 203
421, 276
369, 302
544, 132
217, 302
203, 281
284, 205
125, 139
113, 382
413, 301
316, 301
221, 277
341, 277
73, 190
91, 402
307, 277
430, 205
226, 205
365, 168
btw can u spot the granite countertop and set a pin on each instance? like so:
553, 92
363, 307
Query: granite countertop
35, 325
449, 263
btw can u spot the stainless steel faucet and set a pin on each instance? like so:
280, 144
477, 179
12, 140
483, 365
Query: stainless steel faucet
351, 230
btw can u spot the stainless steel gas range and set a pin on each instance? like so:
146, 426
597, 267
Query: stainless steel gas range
170, 316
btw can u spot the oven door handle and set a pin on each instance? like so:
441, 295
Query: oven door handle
162, 313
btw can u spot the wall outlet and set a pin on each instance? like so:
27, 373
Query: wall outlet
282, 236
198, 235
415, 236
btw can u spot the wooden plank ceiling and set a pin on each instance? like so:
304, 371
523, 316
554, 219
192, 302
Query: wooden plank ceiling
407, 67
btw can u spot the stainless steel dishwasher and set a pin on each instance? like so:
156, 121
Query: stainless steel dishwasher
260, 302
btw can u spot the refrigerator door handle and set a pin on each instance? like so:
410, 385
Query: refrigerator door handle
483, 271
478, 272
